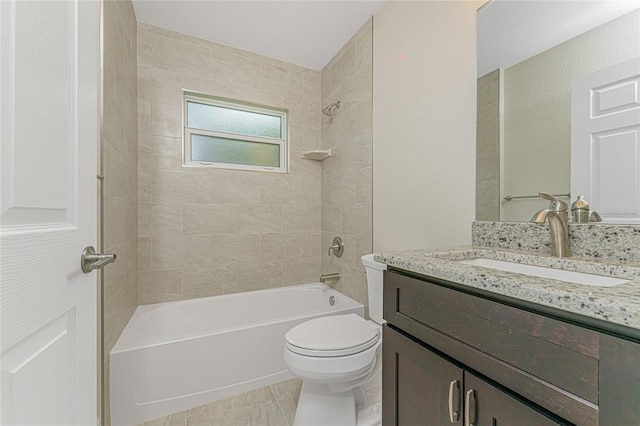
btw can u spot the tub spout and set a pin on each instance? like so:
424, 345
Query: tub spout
330, 277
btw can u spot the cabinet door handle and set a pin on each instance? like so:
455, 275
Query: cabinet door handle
470, 408
454, 401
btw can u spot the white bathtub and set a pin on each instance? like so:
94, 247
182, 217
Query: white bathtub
178, 355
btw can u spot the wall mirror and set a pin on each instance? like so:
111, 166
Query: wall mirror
529, 53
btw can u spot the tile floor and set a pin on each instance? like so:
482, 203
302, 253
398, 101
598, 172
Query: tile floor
273, 405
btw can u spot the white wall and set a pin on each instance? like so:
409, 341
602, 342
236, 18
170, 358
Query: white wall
424, 115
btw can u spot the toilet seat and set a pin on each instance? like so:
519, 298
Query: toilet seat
332, 336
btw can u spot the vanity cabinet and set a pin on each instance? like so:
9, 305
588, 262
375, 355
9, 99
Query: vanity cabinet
423, 388
454, 357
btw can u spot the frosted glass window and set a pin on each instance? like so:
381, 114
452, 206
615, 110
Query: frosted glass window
221, 150
215, 118
230, 134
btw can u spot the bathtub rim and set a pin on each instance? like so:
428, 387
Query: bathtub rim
124, 344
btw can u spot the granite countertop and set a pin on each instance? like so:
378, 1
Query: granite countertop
619, 304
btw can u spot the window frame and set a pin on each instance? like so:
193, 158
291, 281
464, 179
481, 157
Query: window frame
201, 98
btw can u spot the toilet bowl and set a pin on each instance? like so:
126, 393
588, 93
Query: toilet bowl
338, 359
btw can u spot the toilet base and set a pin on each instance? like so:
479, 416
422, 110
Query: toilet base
319, 405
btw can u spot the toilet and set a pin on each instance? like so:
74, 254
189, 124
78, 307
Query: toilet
339, 359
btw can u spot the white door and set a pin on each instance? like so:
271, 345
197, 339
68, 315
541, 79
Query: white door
49, 80
605, 141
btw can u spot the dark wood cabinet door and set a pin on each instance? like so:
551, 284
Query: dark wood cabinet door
489, 406
417, 384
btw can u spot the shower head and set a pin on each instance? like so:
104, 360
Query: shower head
328, 111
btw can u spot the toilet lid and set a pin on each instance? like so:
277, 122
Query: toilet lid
337, 335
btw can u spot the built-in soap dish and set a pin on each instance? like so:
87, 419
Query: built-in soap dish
317, 154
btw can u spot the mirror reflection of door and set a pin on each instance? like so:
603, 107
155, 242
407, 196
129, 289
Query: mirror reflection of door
524, 107
605, 141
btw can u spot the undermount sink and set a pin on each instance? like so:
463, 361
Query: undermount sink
545, 272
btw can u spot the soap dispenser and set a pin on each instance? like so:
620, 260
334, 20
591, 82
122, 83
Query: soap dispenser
580, 212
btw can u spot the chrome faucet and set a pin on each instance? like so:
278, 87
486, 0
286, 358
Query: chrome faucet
557, 214
330, 277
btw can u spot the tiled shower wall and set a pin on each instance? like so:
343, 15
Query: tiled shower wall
119, 159
488, 147
347, 174
204, 231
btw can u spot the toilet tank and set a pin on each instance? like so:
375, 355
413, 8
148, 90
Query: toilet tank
374, 271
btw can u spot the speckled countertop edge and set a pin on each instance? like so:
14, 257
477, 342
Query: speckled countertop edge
618, 304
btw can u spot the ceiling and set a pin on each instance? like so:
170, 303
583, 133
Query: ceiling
510, 31
303, 32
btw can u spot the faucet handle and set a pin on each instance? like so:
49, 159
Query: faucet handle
555, 204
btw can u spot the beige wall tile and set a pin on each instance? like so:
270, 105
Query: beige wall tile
114, 223
258, 276
159, 286
257, 219
180, 187
144, 117
214, 281
159, 85
236, 213
344, 67
364, 45
357, 153
181, 251
155, 220
201, 219
311, 85
357, 219
145, 185
279, 79
130, 220
281, 246
235, 187
175, 55
304, 138
346, 176
111, 118
121, 116
144, 46
311, 244
242, 71
235, 248
302, 218
332, 218
208, 84
114, 162
298, 271
348, 190
144, 254
166, 120
159, 152
303, 112
364, 185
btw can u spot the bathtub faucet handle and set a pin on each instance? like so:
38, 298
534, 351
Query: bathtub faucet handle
337, 247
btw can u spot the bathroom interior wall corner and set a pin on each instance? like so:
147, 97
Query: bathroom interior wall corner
424, 117
347, 174
119, 148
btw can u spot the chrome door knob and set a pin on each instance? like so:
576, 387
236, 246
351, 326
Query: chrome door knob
90, 260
